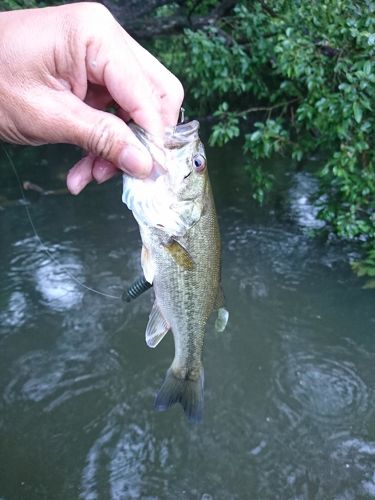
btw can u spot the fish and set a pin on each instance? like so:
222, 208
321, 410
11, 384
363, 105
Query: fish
180, 257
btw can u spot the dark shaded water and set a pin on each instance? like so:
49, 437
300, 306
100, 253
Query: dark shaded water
290, 388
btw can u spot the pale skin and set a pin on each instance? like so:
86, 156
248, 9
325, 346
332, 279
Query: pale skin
62, 68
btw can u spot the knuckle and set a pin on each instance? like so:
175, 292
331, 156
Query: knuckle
87, 19
99, 10
101, 139
93, 9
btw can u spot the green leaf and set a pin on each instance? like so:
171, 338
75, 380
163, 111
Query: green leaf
357, 112
367, 68
255, 136
297, 155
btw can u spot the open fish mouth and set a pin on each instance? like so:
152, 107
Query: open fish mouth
175, 137
181, 134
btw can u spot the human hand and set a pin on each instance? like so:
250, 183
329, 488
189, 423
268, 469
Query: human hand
61, 68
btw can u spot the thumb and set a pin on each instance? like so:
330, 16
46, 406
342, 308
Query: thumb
103, 134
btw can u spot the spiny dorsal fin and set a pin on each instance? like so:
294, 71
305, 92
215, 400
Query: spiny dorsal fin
157, 327
180, 255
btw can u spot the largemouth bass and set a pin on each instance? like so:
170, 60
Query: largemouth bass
180, 257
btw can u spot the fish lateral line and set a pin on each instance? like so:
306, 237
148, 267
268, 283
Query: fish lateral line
39, 239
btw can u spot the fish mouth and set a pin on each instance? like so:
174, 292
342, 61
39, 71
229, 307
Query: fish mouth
182, 134
174, 137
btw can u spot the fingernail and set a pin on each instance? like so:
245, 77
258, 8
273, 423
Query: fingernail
106, 174
105, 177
135, 161
78, 185
74, 188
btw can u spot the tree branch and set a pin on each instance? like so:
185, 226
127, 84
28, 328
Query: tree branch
242, 114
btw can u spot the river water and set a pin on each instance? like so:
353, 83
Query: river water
290, 391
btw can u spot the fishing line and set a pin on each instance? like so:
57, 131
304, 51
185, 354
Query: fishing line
43, 246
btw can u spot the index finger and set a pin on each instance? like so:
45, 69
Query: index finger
169, 88
114, 65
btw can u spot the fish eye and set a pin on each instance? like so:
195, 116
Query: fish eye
199, 162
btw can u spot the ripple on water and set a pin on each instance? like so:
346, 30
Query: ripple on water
48, 380
319, 404
48, 274
14, 314
321, 389
119, 463
58, 290
262, 257
303, 210
357, 458
52, 379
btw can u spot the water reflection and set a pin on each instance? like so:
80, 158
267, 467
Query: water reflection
125, 449
359, 459
57, 289
303, 210
14, 312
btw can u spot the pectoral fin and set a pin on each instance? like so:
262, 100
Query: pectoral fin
180, 254
157, 327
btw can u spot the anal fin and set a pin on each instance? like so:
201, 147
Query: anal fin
221, 320
222, 313
157, 327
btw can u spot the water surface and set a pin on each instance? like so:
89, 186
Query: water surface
289, 410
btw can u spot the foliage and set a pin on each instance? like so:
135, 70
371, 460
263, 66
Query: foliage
366, 267
25, 4
293, 78
17, 4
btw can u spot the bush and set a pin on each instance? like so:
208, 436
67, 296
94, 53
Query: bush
294, 79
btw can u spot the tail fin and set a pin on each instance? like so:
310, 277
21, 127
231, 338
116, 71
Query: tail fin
185, 391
